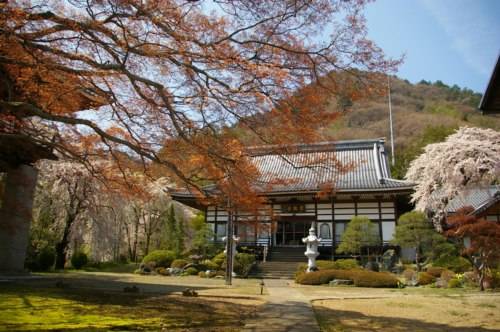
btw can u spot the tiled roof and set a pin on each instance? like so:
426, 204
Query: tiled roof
478, 198
309, 167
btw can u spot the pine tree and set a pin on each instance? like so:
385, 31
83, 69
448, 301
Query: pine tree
414, 230
360, 232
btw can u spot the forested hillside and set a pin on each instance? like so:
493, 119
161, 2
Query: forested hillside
423, 113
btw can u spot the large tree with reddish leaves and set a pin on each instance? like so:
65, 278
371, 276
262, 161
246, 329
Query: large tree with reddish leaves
177, 75
166, 81
482, 239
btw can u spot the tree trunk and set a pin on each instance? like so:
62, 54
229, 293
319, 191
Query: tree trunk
417, 258
15, 217
136, 240
62, 246
481, 279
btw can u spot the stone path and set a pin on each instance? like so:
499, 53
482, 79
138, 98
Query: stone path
287, 310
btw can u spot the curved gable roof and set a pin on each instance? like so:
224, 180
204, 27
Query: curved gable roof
309, 167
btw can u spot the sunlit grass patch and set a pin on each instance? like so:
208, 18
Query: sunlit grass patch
410, 313
23, 309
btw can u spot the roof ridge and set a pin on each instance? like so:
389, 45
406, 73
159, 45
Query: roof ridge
320, 146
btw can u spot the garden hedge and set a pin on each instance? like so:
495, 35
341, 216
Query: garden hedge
340, 264
425, 278
360, 278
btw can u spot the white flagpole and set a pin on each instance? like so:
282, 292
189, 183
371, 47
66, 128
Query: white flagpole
390, 119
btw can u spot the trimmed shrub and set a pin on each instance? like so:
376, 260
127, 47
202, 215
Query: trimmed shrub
447, 275
435, 271
346, 264
209, 265
454, 283
191, 271
79, 259
219, 260
161, 258
321, 277
179, 263
457, 264
493, 277
409, 274
425, 278
360, 278
203, 274
46, 259
470, 279
375, 279
243, 263
340, 264
162, 271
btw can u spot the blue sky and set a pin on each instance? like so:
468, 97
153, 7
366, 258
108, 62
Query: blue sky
455, 41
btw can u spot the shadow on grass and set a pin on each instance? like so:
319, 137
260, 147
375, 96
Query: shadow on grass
99, 303
343, 320
113, 283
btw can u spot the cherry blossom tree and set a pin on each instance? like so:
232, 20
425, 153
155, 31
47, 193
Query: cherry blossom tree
75, 190
468, 158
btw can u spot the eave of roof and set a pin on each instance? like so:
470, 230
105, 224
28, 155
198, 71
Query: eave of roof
479, 199
490, 102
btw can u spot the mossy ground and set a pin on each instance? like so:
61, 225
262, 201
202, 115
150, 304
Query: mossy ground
32, 308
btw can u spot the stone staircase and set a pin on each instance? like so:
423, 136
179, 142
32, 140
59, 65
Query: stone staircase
281, 263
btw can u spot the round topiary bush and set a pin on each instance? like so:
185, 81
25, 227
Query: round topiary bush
209, 265
219, 260
79, 260
454, 283
243, 263
425, 278
191, 271
161, 258
179, 263
435, 271
46, 259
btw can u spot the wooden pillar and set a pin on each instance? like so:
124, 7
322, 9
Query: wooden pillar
380, 220
334, 243
316, 215
215, 224
355, 200
229, 246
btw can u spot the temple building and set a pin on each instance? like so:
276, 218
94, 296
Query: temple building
484, 201
365, 189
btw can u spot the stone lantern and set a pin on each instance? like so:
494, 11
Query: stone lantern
312, 242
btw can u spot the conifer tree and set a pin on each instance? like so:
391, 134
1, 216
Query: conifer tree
360, 232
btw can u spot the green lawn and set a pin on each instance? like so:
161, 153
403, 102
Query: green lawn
30, 307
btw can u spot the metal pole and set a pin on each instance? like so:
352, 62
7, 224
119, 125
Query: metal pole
390, 119
229, 245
